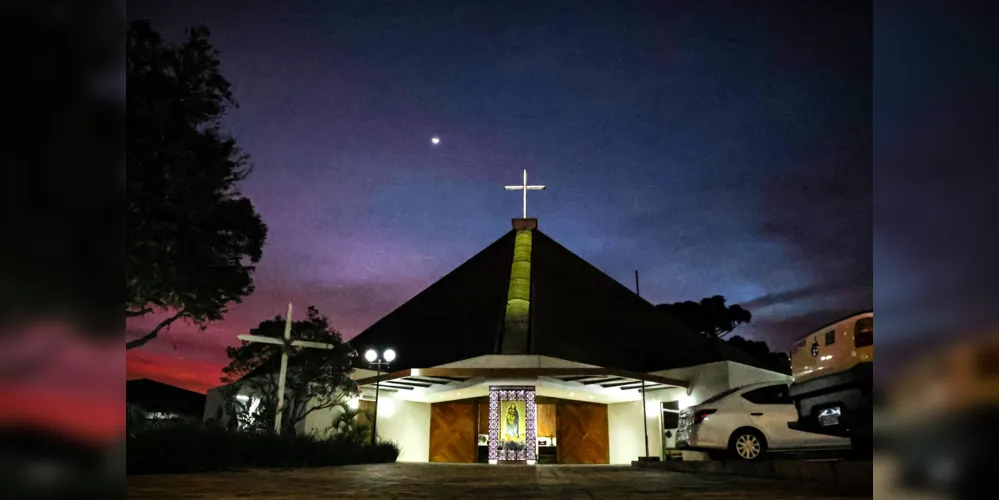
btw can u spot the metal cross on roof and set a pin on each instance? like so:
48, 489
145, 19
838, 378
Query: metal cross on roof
525, 188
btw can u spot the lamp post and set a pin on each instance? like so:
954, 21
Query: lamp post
373, 359
645, 417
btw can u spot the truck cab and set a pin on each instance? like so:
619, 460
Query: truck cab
833, 370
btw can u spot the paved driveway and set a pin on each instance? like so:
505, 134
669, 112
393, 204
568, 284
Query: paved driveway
402, 481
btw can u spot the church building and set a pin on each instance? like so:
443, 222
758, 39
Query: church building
528, 353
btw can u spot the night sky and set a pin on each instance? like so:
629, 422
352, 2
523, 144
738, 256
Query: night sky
716, 149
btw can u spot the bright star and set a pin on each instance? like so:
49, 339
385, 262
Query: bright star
436, 140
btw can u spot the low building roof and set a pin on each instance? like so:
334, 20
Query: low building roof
153, 396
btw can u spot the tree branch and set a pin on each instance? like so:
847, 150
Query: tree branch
151, 335
335, 401
140, 312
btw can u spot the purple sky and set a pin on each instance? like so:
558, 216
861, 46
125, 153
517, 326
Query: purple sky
718, 150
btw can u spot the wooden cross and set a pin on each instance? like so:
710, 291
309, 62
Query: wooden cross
286, 344
525, 188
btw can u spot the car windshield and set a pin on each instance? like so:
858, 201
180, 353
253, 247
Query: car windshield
720, 395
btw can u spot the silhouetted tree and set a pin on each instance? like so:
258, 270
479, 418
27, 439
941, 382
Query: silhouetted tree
191, 239
317, 379
709, 317
351, 424
776, 361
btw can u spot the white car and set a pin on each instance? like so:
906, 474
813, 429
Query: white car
746, 422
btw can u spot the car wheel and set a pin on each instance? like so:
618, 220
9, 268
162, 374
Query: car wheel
747, 444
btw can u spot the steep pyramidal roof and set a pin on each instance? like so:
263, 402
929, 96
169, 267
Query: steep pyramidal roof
576, 313
458, 317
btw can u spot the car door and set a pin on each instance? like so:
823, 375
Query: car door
770, 409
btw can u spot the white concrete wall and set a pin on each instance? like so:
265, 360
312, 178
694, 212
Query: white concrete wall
712, 378
627, 439
740, 374
705, 381
625, 436
213, 400
319, 422
407, 424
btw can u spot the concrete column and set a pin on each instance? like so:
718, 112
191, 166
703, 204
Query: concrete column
518, 305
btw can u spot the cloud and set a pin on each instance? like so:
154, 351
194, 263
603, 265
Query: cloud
802, 294
782, 331
197, 375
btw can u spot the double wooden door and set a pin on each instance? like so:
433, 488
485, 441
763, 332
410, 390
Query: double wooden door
582, 433
580, 428
452, 432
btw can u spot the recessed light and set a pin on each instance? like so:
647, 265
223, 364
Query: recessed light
459, 394
591, 397
572, 393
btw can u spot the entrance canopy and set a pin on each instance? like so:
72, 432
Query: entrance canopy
599, 385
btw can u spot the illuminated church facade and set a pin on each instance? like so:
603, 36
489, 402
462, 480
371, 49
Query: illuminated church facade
528, 353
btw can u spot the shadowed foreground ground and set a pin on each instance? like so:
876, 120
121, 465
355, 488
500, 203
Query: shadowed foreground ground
403, 481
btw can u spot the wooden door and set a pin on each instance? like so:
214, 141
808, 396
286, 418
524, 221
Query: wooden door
483, 427
546, 420
452, 432
582, 434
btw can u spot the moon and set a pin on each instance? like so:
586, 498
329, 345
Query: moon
435, 140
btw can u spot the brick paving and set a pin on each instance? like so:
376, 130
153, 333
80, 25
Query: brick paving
408, 481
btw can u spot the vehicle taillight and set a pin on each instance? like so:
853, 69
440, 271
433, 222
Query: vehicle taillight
700, 414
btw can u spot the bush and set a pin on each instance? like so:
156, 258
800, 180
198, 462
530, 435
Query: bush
181, 448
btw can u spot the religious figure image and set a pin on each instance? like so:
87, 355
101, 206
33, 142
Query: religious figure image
513, 428
511, 424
